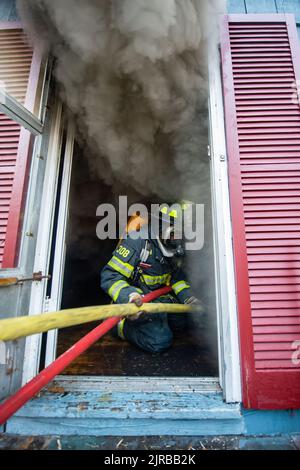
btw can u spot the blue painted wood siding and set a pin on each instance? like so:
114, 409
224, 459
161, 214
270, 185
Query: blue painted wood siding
8, 10
266, 6
115, 413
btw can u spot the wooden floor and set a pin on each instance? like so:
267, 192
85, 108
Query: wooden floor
191, 355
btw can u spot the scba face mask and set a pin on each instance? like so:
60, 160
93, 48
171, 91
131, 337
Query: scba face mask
173, 242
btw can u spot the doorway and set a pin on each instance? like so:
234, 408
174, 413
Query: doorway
219, 292
194, 352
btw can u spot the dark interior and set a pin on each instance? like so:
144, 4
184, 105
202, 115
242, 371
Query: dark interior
194, 351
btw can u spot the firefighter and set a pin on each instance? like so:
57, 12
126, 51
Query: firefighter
141, 264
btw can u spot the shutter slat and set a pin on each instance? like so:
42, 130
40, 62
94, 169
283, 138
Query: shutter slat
272, 330
284, 337
262, 128
273, 243
253, 73
267, 257
274, 313
264, 81
270, 178
271, 210
281, 137
260, 296
262, 112
258, 34
276, 365
274, 228
15, 63
265, 107
258, 66
292, 114
293, 186
272, 236
265, 321
268, 157
256, 40
273, 250
268, 304
270, 202
274, 91
270, 193
268, 168
281, 355
268, 147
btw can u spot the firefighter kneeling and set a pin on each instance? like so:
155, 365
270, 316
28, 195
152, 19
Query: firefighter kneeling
143, 263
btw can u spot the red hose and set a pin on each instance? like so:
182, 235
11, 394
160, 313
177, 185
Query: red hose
16, 401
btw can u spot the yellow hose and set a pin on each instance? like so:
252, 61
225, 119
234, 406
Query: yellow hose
14, 328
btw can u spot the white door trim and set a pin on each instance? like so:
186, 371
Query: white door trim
41, 262
229, 356
54, 302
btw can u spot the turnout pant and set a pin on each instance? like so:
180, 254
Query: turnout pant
154, 333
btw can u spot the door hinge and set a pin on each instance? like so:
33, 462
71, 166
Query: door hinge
47, 301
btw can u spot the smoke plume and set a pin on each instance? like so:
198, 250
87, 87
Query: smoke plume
134, 74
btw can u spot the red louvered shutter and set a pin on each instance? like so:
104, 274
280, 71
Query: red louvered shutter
260, 64
19, 73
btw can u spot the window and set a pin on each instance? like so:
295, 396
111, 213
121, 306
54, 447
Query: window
20, 80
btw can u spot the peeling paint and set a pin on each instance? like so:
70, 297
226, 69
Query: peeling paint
83, 406
56, 389
105, 397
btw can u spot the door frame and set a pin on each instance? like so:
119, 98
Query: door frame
53, 302
228, 341
44, 238
228, 336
